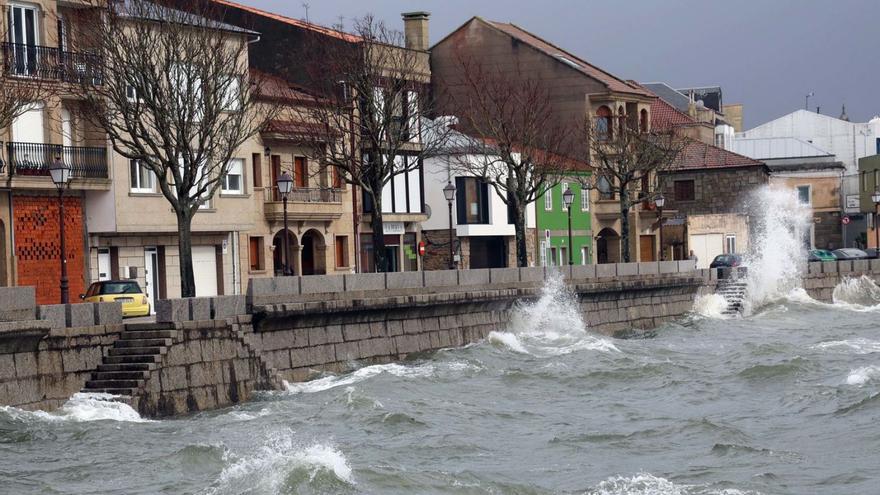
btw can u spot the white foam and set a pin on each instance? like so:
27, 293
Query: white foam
863, 375
711, 306
648, 484
248, 416
859, 294
367, 372
550, 326
83, 408
267, 469
856, 346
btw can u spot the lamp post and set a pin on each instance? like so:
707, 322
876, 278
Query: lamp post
285, 185
660, 201
60, 173
876, 199
449, 193
567, 200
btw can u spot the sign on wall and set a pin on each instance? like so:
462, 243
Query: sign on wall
392, 228
852, 202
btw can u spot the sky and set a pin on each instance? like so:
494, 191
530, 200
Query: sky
765, 54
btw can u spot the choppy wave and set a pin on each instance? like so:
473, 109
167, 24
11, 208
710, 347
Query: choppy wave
711, 306
82, 408
550, 326
859, 293
399, 370
283, 465
648, 484
855, 346
863, 375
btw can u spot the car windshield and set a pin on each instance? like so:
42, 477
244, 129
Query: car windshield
113, 288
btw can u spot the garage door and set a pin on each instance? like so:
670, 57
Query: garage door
706, 247
205, 269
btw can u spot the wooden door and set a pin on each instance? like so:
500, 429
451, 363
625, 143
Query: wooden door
300, 173
647, 248
276, 173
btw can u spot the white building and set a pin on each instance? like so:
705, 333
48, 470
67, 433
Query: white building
847, 141
483, 235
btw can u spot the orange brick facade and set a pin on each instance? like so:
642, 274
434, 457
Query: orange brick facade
37, 245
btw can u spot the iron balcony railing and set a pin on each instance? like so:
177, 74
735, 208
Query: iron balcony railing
46, 62
314, 195
34, 159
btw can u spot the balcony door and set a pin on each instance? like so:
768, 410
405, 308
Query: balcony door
28, 127
24, 35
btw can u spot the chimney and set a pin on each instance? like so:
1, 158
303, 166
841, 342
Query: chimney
415, 27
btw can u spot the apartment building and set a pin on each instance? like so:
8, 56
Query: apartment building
43, 42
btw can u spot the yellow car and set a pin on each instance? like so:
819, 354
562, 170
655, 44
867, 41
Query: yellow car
128, 292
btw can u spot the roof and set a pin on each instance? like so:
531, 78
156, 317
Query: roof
665, 116
777, 147
291, 21
612, 82
269, 86
668, 93
156, 12
698, 155
290, 129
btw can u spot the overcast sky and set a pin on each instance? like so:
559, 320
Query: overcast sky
765, 54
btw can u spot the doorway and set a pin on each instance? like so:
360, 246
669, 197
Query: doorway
313, 254
284, 265
488, 252
104, 264
391, 258
3, 281
151, 274
647, 248
24, 33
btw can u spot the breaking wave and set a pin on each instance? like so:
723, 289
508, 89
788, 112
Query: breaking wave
282, 465
550, 326
402, 371
648, 484
857, 293
711, 306
82, 408
863, 375
855, 346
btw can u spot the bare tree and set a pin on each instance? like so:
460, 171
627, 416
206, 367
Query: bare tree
522, 148
177, 98
626, 162
373, 92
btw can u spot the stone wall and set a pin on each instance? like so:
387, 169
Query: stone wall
823, 277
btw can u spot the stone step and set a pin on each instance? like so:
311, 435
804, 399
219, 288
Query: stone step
126, 367
143, 343
131, 358
127, 351
119, 375
105, 384
147, 327
148, 334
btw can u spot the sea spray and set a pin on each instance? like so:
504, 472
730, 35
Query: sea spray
861, 292
777, 259
81, 408
550, 326
711, 306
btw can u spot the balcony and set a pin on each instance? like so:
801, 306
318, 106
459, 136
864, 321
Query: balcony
33, 160
44, 62
306, 204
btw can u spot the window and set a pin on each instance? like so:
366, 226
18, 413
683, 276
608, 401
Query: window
412, 116
876, 180
543, 253
548, 199
233, 182
604, 187
24, 34
604, 123
472, 200
730, 243
300, 172
585, 255
257, 165
804, 196
342, 251
719, 141
336, 177
142, 178
257, 254
563, 256
231, 94
878, 146
864, 179
367, 265
553, 253
684, 190
643, 120
585, 199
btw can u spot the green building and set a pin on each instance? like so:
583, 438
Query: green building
551, 219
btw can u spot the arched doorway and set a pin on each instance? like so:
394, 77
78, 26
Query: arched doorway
278, 253
313, 253
607, 246
3, 281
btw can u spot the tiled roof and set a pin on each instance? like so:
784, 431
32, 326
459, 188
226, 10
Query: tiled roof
669, 94
665, 116
610, 81
697, 155
273, 87
291, 21
297, 129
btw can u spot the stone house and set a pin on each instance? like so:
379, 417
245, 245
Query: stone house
869, 182
579, 92
37, 32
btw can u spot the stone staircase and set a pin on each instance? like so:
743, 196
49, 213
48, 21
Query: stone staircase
734, 292
128, 364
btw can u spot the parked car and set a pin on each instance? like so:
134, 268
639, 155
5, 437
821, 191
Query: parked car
872, 253
850, 254
821, 255
128, 292
727, 261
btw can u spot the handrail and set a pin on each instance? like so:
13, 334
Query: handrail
34, 159
47, 62
311, 195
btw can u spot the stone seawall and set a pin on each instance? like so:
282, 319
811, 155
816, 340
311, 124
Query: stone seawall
822, 278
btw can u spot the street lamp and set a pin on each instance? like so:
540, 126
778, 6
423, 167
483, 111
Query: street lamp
876, 199
285, 185
60, 173
660, 202
449, 193
567, 200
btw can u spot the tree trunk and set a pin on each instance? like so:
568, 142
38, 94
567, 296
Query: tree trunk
376, 222
519, 225
184, 244
624, 230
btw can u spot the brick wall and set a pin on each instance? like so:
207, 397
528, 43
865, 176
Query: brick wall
38, 246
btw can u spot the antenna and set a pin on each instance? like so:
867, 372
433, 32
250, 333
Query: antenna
306, 7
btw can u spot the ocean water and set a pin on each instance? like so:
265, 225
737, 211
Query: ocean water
784, 401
